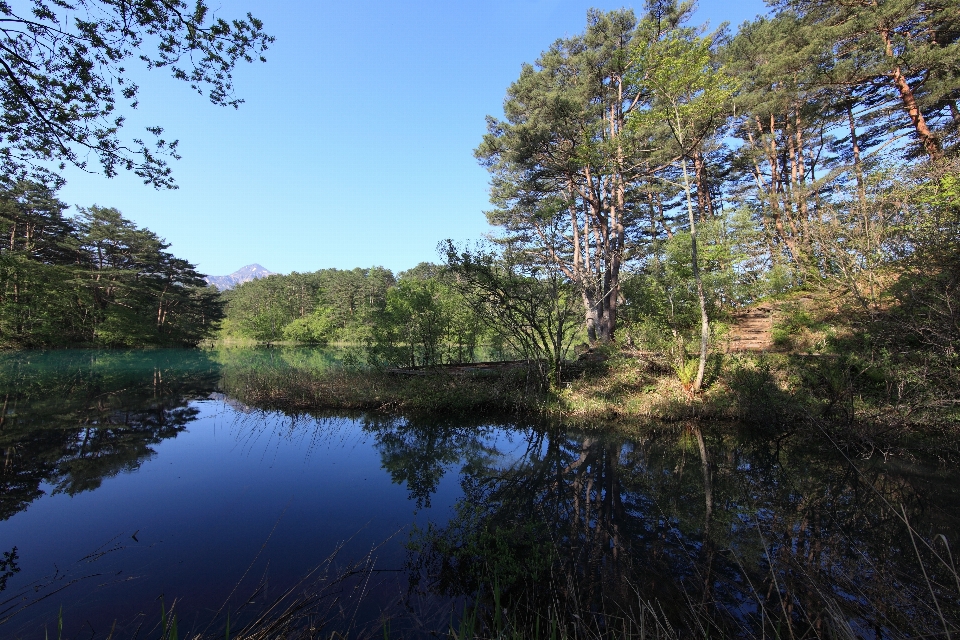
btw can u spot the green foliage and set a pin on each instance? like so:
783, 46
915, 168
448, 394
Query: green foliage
690, 92
532, 308
93, 279
781, 337
560, 161
419, 321
661, 300
63, 83
687, 371
260, 309
776, 281
321, 306
317, 328
142, 294
794, 320
905, 47
413, 326
425, 322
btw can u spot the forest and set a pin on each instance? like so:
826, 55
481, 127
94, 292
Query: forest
92, 279
649, 180
672, 174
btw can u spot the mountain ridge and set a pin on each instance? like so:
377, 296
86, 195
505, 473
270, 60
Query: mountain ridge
241, 275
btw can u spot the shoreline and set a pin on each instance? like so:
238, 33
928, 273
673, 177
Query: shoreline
621, 393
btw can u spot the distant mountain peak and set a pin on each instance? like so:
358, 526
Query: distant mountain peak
244, 274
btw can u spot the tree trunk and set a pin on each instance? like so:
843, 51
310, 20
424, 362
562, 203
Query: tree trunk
773, 192
786, 183
929, 141
704, 320
590, 310
801, 187
704, 201
857, 163
613, 284
663, 220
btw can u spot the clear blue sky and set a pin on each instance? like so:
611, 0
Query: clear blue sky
355, 145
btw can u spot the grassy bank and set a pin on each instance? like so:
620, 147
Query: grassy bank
828, 365
293, 389
771, 391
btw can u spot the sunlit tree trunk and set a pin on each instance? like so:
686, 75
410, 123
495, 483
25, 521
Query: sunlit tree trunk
929, 141
704, 199
701, 298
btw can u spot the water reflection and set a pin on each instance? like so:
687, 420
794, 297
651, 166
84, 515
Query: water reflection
310, 359
70, 419
704, 530
418, 452
707, 530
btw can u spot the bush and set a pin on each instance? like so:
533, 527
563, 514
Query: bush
316, 328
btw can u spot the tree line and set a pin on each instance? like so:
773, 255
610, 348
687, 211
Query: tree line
475, 304
415, 318
93, 279
647, 177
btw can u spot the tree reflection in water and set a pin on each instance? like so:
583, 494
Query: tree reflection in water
704, 531
69, 419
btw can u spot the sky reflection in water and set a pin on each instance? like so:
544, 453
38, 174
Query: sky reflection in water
128, 476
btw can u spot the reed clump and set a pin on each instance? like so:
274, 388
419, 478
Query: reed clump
296, 390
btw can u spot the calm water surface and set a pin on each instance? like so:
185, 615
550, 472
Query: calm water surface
131, 477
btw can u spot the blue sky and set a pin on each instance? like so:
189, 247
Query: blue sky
355, 144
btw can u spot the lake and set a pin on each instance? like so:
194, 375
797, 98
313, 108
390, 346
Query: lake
133, 482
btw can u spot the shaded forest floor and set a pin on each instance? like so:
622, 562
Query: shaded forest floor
811, 360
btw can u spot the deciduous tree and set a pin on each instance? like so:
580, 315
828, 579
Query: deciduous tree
690, 93
66, 69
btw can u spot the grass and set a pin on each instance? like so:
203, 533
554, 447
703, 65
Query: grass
869, 400
565, 613
865, 369
291, 389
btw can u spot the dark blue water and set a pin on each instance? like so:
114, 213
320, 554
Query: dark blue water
133, 481
233, 500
